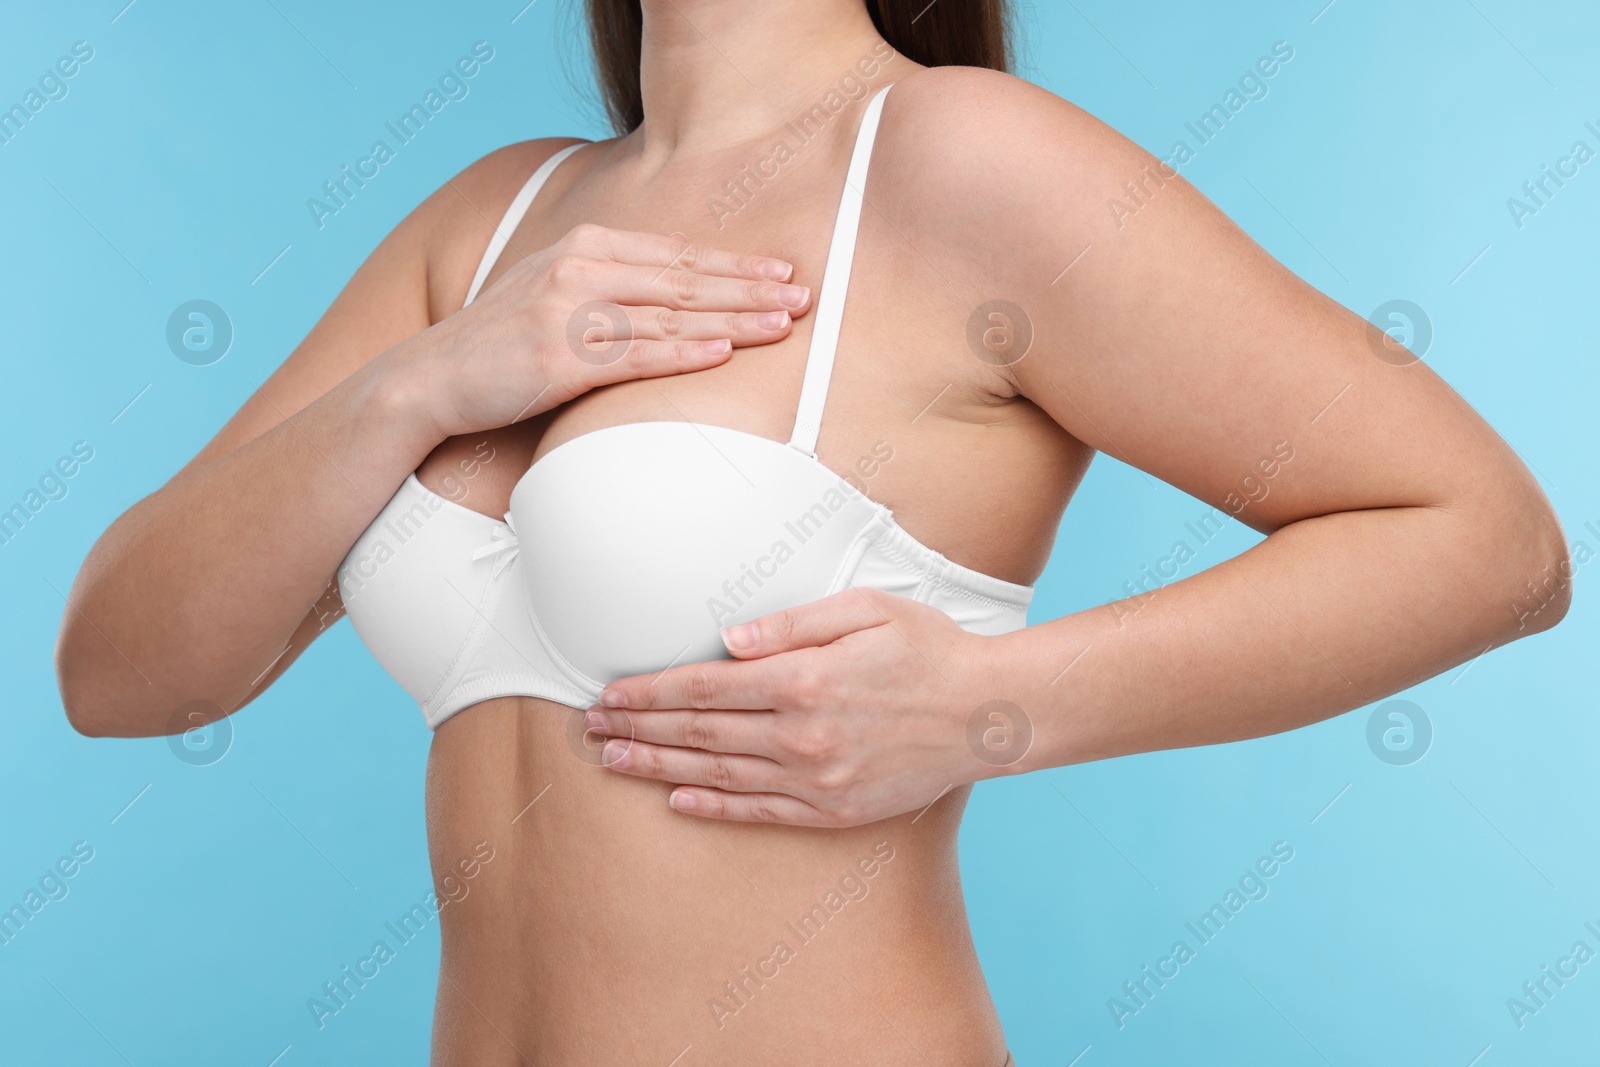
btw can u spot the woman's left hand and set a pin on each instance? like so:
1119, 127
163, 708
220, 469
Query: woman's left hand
854, 708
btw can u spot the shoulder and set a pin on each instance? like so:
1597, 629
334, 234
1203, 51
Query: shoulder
967, 124
980, 160
976, 93
1004, 186
457, 220
1024, 166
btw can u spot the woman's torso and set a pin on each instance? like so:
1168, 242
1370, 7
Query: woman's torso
610, 928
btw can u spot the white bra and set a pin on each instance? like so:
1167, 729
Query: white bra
720, 526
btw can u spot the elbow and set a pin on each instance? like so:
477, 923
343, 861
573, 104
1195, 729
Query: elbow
106, 696
1541, 570
88, 725
82, 710
100, 717
88, 698
82, 718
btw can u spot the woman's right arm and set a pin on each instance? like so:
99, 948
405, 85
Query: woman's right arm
203, 592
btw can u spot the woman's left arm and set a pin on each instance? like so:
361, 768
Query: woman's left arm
1404, 536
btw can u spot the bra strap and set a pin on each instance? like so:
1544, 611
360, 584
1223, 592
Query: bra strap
835, 282
519, 207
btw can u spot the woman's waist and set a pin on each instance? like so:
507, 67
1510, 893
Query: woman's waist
519, 776
597, 888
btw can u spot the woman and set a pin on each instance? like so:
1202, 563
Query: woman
596, 496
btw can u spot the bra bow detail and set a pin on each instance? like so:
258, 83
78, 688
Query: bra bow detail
502, 544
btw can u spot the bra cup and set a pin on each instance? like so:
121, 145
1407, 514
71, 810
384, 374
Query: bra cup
639, 542
632, 546
413, 595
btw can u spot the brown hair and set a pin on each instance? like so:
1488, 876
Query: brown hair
964, 33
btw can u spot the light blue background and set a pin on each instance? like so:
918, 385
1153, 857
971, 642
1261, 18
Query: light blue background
1377, 168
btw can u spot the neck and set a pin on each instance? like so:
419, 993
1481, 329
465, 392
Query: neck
719, 72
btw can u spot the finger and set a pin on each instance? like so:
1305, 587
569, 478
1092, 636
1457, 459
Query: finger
720, 770
626, 283
620, 361
742, 732
809, 625
746, 807
678, 252
723, 684
603, 323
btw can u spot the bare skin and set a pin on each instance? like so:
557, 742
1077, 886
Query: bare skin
607, 924
661, 910
600, 870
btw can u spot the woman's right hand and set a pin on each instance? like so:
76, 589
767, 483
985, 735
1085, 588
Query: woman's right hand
598, 306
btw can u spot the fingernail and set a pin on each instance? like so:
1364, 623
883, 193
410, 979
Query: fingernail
716, 347
777, 270
742, 636
772, 320
682, 801
793, 295
613, 753
611, 698
595, 721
